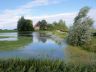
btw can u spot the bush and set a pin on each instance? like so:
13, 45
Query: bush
80, 32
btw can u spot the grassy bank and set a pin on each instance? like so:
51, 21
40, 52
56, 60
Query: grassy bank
60, 34
43, 66
78, 55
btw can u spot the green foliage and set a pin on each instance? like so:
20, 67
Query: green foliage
62, 35
43, 66
50, 27
43, 24
83, 13
4, 31
11, 45
92, 46
60, 26
24, 25
54, 26
80, 32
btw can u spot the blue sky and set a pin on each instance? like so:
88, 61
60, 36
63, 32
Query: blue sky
51, 10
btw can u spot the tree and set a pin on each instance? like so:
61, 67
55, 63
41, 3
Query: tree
24, 25
80, 33
43, 24
50, 27
60, 25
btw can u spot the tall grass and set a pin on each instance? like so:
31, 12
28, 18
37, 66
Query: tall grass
34, 65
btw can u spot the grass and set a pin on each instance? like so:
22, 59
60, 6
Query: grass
60, 34
4, 31
33, 65
11, 45
4, 36
78, 55
55, 32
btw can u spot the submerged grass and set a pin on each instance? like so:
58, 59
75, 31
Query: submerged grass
11, 45
4, 37
34, 65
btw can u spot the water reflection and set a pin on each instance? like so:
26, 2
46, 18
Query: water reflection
39, 37
8, 37
34, 45
42, 45
14, 41
28, 34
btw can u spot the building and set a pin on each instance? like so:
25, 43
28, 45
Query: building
37, 26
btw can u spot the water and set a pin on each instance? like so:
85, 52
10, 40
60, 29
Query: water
11, 36
40, 45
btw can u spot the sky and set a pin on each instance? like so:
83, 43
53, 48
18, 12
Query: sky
50, 10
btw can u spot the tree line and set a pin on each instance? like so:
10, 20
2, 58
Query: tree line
27, 25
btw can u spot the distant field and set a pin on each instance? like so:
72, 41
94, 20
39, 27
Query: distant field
1, 31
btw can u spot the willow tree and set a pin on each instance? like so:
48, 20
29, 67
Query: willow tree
80, 33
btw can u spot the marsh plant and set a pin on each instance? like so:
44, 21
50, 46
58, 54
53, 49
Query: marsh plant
34, 65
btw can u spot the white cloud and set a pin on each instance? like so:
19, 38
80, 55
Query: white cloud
68, 17
35, 3
92, 14
9, 18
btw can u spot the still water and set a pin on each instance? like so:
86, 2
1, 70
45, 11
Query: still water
41, 45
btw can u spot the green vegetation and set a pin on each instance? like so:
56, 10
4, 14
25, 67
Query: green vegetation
4, 37
79, 37
60, 34
80, 33
7, 31
92, 46
43, 66
77, 55
24, 25
61, 25
43, 24
53, 26
11, 45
